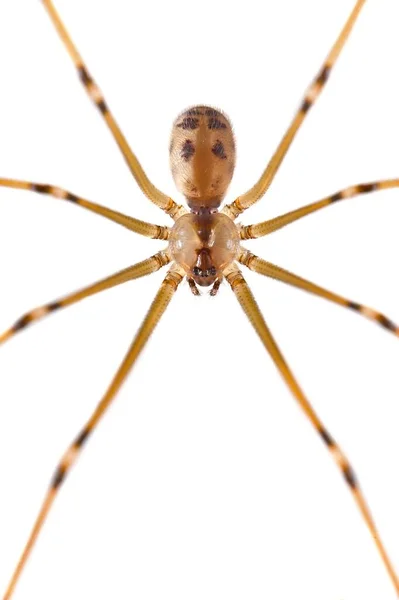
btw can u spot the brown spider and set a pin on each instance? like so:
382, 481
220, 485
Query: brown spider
204, 246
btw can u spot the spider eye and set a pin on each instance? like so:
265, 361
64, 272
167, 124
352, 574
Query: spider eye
197, 271
212, 271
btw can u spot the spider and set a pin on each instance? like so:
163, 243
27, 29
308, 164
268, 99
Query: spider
204, 246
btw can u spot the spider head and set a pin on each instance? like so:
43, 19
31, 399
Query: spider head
202, 156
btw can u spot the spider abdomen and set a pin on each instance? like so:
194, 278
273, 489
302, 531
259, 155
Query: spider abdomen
204, 245
202, 156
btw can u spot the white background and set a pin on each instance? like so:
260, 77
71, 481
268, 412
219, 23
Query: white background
204, 481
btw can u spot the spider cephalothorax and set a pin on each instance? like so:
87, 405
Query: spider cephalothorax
202, 158
204, 245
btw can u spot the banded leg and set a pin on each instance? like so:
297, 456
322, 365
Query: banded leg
259, 189
157, 232
270, 270
145, 267
155, 195
158, 307
251, 309
260, 229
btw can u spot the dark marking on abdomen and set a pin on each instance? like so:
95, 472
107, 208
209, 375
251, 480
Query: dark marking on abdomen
218, 149
193, 112
188, 123
187, 150
215, 123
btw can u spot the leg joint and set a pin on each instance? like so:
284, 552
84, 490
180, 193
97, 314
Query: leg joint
235, 279
162, 259
246, 258
246, 233
162, 233
173, 278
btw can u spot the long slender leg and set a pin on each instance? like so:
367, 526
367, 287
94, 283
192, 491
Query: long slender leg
158, 307
258, 190
155, 195
260, 229
270, 270
157, 232
145, 267
251, 309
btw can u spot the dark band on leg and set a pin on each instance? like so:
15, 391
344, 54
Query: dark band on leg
323, 75
326, 437
82, 437
103, 108
58, 477
387, 323
350, 476
336, 197
305, 106
72, 198
54, 306
41, 188
84, 76
21, 323
365, 188
354, 305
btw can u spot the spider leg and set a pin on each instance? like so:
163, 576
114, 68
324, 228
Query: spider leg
251, 309
156, 196
260, 229
156, 310
275, 272
141, 227
145, 267
261, 186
